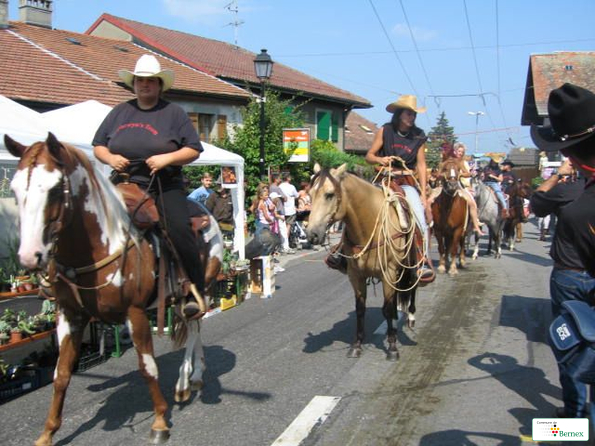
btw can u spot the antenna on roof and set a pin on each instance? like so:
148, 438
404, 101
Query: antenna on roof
233, 7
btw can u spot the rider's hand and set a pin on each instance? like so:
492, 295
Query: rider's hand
158, 162
566, 168
385, 160
118, 163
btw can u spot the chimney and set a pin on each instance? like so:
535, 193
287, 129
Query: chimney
36, 12
3, 14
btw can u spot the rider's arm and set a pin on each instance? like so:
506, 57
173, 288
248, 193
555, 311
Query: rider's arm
422, 172
372, 155
116, 162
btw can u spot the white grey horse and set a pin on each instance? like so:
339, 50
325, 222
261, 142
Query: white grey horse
489, 213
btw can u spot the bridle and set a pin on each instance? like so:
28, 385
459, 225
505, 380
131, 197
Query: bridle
325, 175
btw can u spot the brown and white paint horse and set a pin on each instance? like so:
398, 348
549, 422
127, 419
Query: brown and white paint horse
377, 240
75, 227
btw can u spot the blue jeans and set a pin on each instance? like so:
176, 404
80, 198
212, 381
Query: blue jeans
572, 285
259, 227
414, 200
497, 188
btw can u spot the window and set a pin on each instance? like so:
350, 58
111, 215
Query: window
327, 125
209, 127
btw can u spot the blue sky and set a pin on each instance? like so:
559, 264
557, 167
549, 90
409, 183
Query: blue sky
444, 51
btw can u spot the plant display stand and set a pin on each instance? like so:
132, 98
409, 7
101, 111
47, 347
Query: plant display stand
262, 276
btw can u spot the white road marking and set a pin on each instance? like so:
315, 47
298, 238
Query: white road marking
314, 414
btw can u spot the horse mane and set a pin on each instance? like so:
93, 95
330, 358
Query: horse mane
111, 201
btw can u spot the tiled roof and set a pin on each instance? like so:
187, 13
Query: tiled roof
226, 61
63, 67
359, 133
550, 71
30, 73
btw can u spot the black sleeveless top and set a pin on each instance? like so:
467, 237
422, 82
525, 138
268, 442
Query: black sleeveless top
406, 147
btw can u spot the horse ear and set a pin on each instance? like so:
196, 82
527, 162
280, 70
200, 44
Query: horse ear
317, 168
14, 148
340, 171
54, 145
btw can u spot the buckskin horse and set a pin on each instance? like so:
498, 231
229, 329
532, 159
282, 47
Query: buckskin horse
75, 227
378, 241
517, 193
450, 214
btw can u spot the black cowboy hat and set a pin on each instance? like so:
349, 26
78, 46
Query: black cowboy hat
571, 110
507, 162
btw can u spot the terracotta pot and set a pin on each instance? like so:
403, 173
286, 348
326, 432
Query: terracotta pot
16, 336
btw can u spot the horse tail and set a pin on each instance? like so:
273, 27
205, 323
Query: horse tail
179, 333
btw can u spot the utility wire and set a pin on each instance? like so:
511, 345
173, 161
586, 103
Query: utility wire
498, 97
396, 53
421, 62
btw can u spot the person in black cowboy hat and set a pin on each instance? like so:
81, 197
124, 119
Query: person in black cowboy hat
571, 112
508, 176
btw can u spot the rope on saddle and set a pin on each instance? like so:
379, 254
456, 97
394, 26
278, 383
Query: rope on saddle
388, 232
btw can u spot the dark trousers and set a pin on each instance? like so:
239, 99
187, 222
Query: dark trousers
572, 285
175, 218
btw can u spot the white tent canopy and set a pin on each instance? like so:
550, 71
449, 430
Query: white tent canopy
77, 124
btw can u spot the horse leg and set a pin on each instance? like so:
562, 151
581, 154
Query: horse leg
70, 336
196, 381
454, 245
359, 286
143, 342
519, 232
462, 260
389, 310
475, 247
441, 251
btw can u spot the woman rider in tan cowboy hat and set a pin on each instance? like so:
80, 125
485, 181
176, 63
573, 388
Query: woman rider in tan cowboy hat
402, 138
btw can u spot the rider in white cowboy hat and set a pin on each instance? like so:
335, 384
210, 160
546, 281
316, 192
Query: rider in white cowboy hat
151, 139
402, 138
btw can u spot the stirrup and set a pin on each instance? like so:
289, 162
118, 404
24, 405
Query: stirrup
336, 262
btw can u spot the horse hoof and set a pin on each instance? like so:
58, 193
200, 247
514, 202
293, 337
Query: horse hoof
197, 385
441, 269
392, 356
182, 396
354, 353
159, 436
453, 273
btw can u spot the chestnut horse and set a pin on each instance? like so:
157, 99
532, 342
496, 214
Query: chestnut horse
451, 214
517, 193
75, 227
378, 241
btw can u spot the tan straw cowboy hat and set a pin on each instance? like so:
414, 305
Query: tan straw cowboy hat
407, 101
148, 66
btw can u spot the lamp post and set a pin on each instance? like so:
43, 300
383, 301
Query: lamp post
477, 115
263, 66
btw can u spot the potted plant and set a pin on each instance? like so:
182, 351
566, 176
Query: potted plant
16, 334
4, 332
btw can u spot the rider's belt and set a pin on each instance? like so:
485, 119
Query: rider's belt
400, 172
567, 268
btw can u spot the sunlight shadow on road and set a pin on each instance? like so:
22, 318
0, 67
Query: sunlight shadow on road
455, 437
528, 382
530, 315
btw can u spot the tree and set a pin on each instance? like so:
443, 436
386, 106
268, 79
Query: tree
439, 134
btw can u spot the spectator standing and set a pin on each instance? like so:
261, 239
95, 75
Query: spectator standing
276, 189
201, 194
291, 194
568, 280
220, 205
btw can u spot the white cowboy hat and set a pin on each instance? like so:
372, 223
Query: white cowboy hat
407, 101
148, 66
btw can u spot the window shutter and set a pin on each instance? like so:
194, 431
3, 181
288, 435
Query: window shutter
335, 128
323, 124
221, 126
194, 119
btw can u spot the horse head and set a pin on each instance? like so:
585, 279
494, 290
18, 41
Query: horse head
327, 204
450, 174
53, 185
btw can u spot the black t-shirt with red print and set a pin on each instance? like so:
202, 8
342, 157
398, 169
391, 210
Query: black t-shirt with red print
405, 147
139, 134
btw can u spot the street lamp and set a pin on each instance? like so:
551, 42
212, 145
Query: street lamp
477, 115
263, 66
